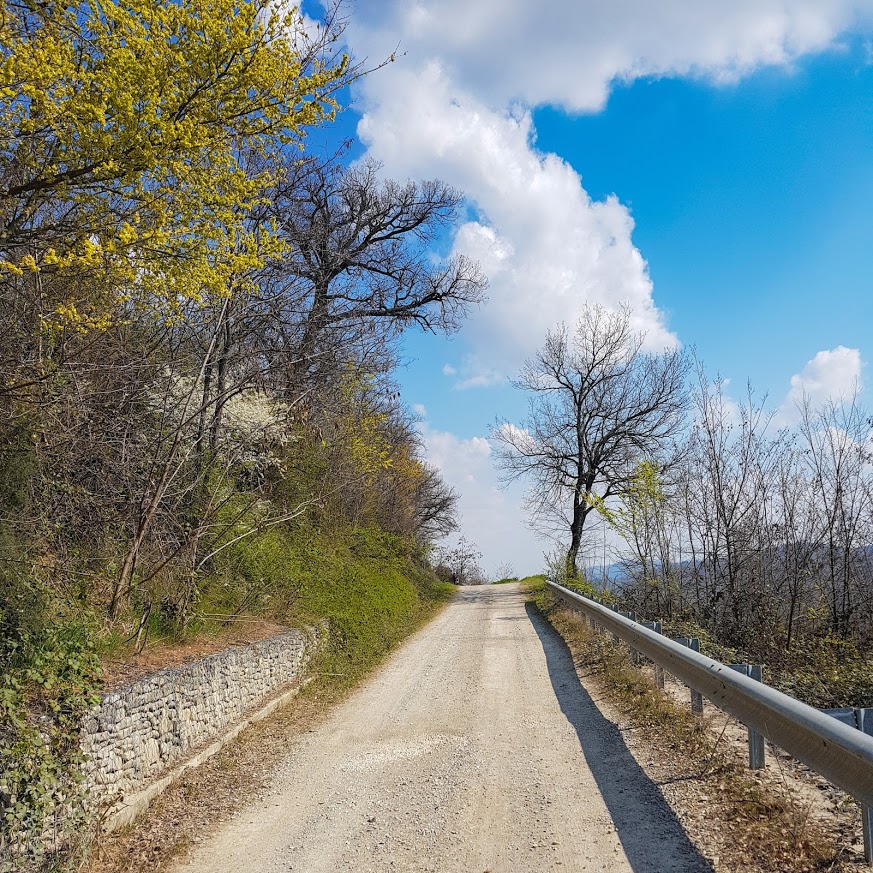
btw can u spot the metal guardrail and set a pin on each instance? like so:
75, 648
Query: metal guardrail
840, 753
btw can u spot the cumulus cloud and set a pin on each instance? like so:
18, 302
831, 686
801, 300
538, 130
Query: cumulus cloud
832, 375
456, 104
516, 436
474, 373
545, 245
570, 53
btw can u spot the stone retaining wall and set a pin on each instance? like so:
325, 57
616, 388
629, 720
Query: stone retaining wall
137, 732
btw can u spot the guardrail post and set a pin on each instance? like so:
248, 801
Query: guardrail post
756, 741
864, 723
635, 655
659, 670
696, 696
657, 627
693, 643
862, 719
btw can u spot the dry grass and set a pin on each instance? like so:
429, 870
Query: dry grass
738, 820
126, 666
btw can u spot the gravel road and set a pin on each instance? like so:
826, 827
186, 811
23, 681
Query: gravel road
475, 749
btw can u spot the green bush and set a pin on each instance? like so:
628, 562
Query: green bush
49, 673
824, 672
366, 584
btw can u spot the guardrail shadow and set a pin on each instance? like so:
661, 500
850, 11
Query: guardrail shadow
652, 837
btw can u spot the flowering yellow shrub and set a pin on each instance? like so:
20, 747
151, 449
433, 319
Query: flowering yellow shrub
132, 138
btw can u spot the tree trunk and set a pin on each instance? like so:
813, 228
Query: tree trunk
580, 512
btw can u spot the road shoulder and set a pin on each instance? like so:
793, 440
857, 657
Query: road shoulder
779, 820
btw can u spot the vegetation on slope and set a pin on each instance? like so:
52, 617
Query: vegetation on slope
198, 323
748, 822
754, 538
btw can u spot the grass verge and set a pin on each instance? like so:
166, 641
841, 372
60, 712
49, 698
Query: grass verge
736, 818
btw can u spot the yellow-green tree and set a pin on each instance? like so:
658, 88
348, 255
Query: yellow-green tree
641, 520
133, 139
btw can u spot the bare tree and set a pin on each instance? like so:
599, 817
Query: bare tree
837, 439
505, 571
732, 497
360, 249
463, 561
598, 405
435, 505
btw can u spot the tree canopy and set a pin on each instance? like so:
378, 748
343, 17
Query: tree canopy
126, 144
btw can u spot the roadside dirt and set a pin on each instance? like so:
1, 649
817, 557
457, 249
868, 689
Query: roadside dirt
475, 748
814, 799
784, 819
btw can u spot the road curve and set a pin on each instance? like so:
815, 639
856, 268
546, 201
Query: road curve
473, 750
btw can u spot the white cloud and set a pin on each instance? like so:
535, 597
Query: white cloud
491, 517
474, 373
517, 436
569, 53
545, 245
454, 106
832, 375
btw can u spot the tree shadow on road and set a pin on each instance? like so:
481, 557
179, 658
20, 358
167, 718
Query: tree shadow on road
652, 837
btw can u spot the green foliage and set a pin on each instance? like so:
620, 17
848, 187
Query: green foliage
709, 643
169, 458
368, 585
824, 672
371, 594
16, 467
48, 675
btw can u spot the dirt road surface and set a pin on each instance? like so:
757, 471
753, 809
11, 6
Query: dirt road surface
473, 750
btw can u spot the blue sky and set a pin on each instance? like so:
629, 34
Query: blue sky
711, 165
752, 205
